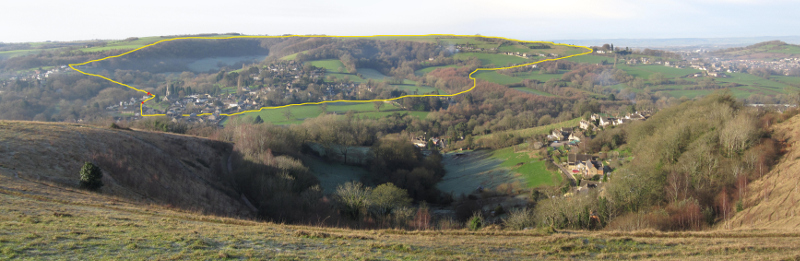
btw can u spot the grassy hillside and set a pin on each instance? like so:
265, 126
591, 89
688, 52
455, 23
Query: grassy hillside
182, 171
43, 216
42, 222
773, 202
530, 132
764, 51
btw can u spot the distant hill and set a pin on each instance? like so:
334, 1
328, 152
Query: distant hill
148, 167
764, 50
684, 43
773, 202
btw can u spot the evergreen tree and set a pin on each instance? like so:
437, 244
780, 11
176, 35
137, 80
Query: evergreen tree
91, 176
258, 120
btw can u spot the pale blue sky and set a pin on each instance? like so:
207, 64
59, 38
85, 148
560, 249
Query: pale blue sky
39, 20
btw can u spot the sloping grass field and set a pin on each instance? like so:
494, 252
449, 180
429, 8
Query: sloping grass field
644, 71
426, 70
493, 60
45, 223
533, 170
530, 132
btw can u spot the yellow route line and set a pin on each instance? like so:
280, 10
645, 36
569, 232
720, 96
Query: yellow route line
474, 81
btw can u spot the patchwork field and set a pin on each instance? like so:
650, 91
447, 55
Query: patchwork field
644, 71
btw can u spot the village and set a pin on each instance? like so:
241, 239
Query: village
584, 171
284, 83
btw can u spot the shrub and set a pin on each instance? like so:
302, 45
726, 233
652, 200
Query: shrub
352, 197
519, 219
476, 221
387, 197
91, 176
117, 127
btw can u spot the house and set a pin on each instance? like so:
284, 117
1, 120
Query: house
556, 135
574, 138
574, 159
586, 125
604, 121
561, 134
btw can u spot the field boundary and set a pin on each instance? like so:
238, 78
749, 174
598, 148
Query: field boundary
474, 81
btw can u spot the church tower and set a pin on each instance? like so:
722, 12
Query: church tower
166, 97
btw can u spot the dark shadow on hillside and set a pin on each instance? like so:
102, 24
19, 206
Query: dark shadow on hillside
470, 170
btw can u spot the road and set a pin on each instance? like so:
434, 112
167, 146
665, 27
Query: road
566, 174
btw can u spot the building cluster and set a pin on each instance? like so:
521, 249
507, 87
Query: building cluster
282, 82
421, 142
584, 165
474, 48
597, 121
40, 75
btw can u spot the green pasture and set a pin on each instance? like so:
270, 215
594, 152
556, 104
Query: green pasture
496, 60
302, 112
495, 77
515, 48
369, 73
590, 58
470, 40
754, 81
787, 79
426, 70
533, 170
15, 53
331, 65
689, 93
530, 132
644, 71
410, 89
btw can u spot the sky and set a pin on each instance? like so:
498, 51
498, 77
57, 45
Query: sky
41, 20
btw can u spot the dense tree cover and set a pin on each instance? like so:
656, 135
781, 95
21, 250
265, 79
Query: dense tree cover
63, 97
392, 57
398, 161
173, 56
691, 164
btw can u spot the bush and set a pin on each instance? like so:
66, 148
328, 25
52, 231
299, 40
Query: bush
91, 176
117, 127
352, 198
386, 197
519, 219
476, 222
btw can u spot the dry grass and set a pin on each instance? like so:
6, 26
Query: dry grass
773, 202
182, 171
